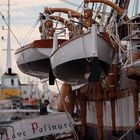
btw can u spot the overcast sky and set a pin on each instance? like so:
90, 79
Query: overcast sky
24, 14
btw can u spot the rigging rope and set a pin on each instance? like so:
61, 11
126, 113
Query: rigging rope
80, 6
10, 30
57, 21
97, 11
69, 118
30, 32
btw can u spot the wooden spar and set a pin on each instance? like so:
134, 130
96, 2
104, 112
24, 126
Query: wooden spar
71, 13
75, 15
126, 4
113, 110
99, 114
58, 18
64, 10
64, 104
99, 109
109, 3
95, 88
136, 104
113, 75
83, 113
111, 82
69, 25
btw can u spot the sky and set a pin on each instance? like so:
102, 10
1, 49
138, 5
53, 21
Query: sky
24, 14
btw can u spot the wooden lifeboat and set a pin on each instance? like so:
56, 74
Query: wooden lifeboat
77, 58
87, 56
34, 58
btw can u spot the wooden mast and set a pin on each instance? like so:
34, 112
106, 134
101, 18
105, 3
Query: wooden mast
83, 112
9, 63
99, 108
136, 106
112, 96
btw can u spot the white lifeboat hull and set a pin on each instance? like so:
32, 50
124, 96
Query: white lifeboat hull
34, 59
71, 62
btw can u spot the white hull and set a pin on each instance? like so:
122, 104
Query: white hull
29, 61
32, 54
81, 48
79, 52
34, 58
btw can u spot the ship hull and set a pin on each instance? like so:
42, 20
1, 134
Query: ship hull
38, 68
33, 59
73, 60
108, 134
32, 62
75, 71
125, 119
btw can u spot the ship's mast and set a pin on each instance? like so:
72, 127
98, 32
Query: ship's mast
9, 64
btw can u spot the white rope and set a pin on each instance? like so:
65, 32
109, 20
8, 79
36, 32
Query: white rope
53, 15
68, 116
116, 40
88, 60
57, 20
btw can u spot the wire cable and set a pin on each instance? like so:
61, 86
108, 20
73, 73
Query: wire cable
10, 30
80, 6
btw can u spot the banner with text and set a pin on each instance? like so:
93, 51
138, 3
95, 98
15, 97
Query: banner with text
41, 126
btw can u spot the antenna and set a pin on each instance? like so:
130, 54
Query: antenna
9, 62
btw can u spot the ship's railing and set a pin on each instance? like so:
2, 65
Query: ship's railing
113, 37
129, 131
128, 54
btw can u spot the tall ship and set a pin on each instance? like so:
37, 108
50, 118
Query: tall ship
96, 54
13, 94
9, 80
